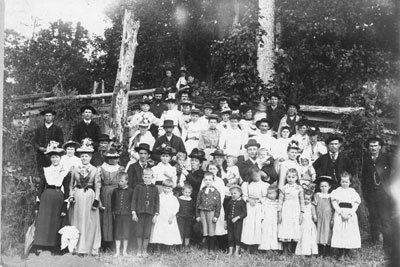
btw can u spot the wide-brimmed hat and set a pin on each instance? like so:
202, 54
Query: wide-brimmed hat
144, 123
313, 130
213, 117
235, 186
297, 106
86, 146
374, 139
168, 123
85, 107
195, 111
48, 110
208, 105
218, 152
333, 137
70, 144
245, 108
170, 100
198, 154
165, 149
303, 122
104, 137
226, 111
159, 91
252, 142
261, 121
111, 153
53, 149
324, 178
143, 146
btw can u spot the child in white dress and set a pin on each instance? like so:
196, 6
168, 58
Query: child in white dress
191, 134
165, 230
308, 174
163, 170
269, 226
345, 201
251, 232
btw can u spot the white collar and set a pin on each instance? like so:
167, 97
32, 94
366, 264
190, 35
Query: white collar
87, 121
185, 198
48, 125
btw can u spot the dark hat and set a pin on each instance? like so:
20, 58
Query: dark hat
146, 100
313, 130
374, 139
218, 152
159, 91
170, 100
165, 149
111, 153
223, 98
48, 110
195, 111
252, 142
181, 92
104, 137
183, 69
208, 105
186, 103
235, 116
324, 178
302, 122
85, 107
292, 104
213, 117
143, 146
263, 120
226, 111
333, 137
70, 144
245, 108
274, 94
197, 154
168, 123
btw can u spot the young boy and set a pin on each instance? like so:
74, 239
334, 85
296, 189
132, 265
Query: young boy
235, 213
121, 199
145, 209
185, 215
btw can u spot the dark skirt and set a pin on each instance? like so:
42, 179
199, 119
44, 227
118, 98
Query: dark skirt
49, 221
185, 225
122, 226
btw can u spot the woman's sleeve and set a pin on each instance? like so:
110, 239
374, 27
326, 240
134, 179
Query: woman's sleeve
335, 201
174, 206
97, 184
245, 192
301, 199
281, 198
66, 185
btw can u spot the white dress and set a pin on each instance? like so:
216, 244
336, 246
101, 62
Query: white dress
345, 234
69, 162
220, 225
162, 231
161, 169
307, 244
281, 148
251, 231
258, 189
232, 141
269, 226
290, 201
191, 135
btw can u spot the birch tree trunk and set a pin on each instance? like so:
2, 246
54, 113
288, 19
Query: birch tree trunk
119, 104
265, 52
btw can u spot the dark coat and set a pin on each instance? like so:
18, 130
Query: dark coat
97, 159
121, 201
381, 168
244, 167
81, 131
146, 199
135, 173
194, 179
236, 208
42, 138
325, 166
275, 116
158, 109
176, 142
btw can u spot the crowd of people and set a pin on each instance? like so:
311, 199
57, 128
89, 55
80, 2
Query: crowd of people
228, 177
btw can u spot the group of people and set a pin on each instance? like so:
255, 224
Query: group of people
249, 176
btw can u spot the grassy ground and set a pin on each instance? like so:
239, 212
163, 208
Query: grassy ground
367, 256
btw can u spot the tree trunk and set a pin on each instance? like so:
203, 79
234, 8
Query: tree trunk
119, 104
265, 52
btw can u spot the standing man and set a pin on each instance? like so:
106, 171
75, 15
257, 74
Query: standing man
375, 181
87, 128
275, 112
43, 135
135, 170
169, 139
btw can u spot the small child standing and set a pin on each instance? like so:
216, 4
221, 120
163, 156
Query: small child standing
308, 173
208, 209
251, 233
145, 209
307, 244
345, 201
163, 170
121, 199
165, 230
269, 226
324, 210
185, 215
291, 209
235, 213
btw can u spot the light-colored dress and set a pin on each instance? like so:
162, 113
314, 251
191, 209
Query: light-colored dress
251, 231
324, 210
159, 174
258, 189
232, 141
313, 152
346, 234
109, 180
284, 167
70, 162
291, 202
162, 231
281, 148
269, 226
307, 244
191, 135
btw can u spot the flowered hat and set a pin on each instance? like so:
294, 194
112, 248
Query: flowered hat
112, 153
53, 149
86, 146
165, 149
146, 100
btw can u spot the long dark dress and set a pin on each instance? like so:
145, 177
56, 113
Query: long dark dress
49, 220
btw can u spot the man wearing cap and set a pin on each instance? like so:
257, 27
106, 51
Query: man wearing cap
375, 181
169, 139
98, 157
333, 163
135, 170
171, 114
291, 118
315, 148
209, 138
43, 135
86, 128
275, 112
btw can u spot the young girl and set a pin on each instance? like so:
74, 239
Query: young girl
308, 174
290, 213
235, 213
164, 170
307, 244
251, 233
232, 177
69, 160
165, 230
291, 162
269, 226
208, 209
121, 209
181, 163
186, 215
255, 186
191, 134
345, 201
233, 139
324, 210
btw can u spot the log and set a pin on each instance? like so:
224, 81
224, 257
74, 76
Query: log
30, 96
331, 110
119, 103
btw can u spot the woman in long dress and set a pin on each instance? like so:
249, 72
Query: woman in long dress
85, 194
51, 201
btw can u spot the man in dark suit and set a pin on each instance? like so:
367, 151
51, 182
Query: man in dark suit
86, 128
168, 139
45, 133
375, 181
333, 163
275, 112
135, 170
157, 107
104, 143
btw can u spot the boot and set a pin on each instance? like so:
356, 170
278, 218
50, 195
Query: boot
321, 250
212, 244
208, 240
327, 251
293, 246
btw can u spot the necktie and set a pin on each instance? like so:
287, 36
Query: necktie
333, 158
143, 165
